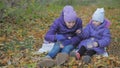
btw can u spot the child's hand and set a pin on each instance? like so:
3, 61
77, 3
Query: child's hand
89, 46
78, 31
61, 46
60, 37
66, 42
95, 44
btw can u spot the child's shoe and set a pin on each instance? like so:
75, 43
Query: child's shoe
61, 58
86, 59
48, 62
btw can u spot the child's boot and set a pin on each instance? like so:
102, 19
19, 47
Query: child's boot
46, 62
61, 58
86, 59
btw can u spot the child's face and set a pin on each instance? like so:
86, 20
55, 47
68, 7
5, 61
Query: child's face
70, 24
96, 23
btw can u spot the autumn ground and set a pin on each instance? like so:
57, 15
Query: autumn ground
18, 43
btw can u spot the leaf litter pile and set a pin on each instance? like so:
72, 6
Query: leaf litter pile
17, 48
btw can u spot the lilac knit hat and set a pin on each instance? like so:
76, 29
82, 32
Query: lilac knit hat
69, 14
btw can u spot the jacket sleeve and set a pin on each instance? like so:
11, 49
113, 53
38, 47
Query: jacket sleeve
105, 41
50, 35
85, 32
76, 39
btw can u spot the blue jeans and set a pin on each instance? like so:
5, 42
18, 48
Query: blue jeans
56, 49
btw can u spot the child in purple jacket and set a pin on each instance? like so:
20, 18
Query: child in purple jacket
96, 37
62, 33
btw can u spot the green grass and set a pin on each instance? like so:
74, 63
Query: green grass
109, 3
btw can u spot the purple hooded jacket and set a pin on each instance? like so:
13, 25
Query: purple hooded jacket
59, 27
100, 34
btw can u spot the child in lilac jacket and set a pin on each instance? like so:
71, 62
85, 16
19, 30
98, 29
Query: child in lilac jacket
62, 33
96, 37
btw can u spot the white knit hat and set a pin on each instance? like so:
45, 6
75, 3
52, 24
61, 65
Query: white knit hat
98, 15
